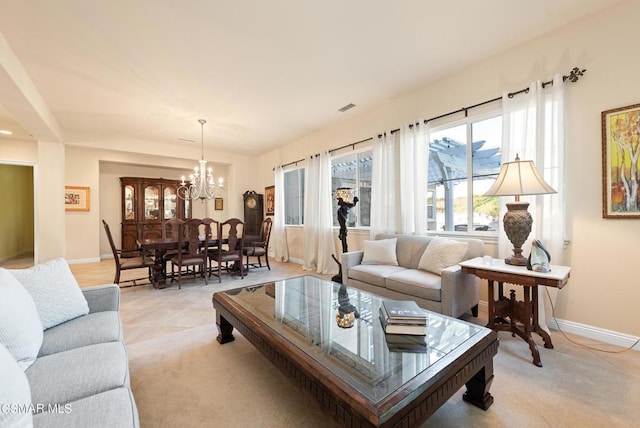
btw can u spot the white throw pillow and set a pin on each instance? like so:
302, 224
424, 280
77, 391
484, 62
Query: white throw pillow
380, 252
15, 393
54, 290
442, 253
20, 326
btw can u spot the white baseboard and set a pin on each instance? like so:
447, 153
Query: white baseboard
590, 332
296, 261
596, 333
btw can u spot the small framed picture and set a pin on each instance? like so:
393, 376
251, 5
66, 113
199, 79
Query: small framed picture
76, 198
218, 204
270, 197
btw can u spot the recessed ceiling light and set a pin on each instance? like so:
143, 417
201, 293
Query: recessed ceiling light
5, 132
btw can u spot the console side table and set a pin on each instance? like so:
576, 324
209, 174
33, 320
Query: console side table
508, 314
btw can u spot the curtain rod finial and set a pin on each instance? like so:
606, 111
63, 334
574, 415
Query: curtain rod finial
574, 74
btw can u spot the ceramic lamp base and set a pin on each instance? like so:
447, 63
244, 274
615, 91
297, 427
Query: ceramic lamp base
517, 225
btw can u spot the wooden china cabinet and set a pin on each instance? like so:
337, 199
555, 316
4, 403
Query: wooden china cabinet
146, 204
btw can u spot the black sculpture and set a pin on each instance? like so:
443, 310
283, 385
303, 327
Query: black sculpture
343, 213
347, 313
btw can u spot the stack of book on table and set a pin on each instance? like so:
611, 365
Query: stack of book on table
404, 324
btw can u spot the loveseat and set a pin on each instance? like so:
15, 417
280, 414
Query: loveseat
420, 268
72, 374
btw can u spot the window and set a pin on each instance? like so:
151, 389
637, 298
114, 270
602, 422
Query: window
294, 196
353, 170
459, 174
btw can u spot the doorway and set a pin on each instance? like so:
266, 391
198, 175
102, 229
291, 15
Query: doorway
17, 222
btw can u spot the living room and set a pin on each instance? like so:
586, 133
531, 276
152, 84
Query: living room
600, 250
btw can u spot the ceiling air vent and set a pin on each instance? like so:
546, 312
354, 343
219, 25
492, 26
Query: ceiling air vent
347, 107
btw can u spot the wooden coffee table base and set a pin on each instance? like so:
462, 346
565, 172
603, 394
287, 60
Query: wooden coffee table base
475, 371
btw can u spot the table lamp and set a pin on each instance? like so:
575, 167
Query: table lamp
515, 179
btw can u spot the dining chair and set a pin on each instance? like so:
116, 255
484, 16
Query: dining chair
193, 242
260, 247
135, 259
230, 245
170, 230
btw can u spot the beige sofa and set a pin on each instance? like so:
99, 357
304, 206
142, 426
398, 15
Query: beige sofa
452, 293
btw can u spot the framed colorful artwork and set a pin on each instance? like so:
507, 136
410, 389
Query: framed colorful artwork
218, 204
270, 198
76, 198
620, 162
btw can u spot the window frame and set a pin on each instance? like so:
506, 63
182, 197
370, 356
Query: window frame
357, 208
468, 122
300, 197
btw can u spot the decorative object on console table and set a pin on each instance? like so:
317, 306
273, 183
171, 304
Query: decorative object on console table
619, 162
76, 198
515, 179
539, 258
346, 201
270, 197
253, 212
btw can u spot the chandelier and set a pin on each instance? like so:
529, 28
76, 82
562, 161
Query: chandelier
201, 182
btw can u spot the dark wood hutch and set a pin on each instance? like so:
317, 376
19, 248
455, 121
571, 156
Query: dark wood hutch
146, 204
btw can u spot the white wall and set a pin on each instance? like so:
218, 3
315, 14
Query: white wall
604, 288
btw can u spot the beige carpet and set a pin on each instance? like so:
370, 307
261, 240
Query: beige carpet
181, 377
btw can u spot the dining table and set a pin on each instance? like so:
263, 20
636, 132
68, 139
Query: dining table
159, 247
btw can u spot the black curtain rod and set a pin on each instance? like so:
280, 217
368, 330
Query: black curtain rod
573, 76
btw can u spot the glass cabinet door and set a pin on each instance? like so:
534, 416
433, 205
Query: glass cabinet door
169, 202
151, 203
129, 202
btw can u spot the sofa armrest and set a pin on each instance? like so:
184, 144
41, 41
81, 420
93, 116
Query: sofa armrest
102, 297
350, 259
459, 291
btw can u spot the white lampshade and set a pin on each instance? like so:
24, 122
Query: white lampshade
519, 178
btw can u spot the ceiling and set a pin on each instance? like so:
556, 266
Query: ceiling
262, 73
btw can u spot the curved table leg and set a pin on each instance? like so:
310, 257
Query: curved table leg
536, 326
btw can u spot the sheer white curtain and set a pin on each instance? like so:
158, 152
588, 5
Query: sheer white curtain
310, 231
414, 161
279, 235
326, 243
399, 181
383, 185
534, 129
318, 221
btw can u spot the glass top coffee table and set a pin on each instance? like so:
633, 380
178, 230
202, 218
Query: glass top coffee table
353, 372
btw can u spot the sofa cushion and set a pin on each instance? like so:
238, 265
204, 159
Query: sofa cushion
54, 290
442, 253
409, 248
415, 282
114, 408
20, 326
78, 373
90, 329
380, 252
373, 274
14, 392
